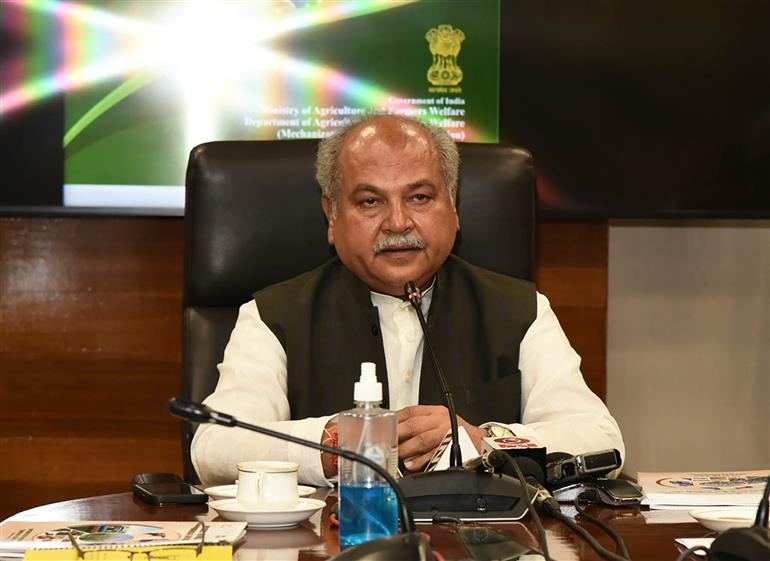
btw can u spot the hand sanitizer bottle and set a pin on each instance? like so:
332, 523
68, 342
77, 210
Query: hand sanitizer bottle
368, 505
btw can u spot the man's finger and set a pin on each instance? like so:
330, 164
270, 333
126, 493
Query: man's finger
413, 411
411, 426
418, 444
415, 423
418, 463
421, 443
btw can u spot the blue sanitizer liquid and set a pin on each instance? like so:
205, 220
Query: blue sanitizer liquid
367, 513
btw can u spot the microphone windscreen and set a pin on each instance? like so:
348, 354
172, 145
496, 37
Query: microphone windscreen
412, 293
496, 459
530, 468
502, 460
189, 410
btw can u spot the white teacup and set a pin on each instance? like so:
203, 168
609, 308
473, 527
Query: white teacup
267, 485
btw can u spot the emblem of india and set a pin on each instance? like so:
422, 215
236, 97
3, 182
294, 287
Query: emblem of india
444, 42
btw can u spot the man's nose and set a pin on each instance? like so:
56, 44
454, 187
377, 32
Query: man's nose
398, 219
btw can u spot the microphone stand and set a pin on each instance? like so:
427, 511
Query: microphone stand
455, 454
457, 492
410, 546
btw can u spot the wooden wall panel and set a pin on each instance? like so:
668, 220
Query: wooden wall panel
90, 316
572, 272
90, 345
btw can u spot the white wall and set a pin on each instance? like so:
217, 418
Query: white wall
688, 343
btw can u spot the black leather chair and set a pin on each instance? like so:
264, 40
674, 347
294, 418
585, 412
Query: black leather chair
253, 217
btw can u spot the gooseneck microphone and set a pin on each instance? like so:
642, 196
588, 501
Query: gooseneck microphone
457, 492
414, 296
410, 546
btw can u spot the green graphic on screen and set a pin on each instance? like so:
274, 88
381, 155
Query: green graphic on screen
176, 74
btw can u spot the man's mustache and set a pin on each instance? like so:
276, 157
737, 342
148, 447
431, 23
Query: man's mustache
398, 241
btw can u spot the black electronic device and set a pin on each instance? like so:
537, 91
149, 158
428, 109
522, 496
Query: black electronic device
456, 492
741, 544
166, 488
409, 546
571, 469
618, 492
531, 461
486, 544
611, 492
746, 544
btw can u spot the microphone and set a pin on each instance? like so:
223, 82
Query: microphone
746, 544
199, 413
501, 460
496, 459
410, 546
527, 453
415, 298
455, 492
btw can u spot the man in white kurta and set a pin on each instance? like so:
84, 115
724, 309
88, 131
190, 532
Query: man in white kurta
389, 196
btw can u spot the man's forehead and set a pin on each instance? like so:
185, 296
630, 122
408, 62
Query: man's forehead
380, 160
387, 132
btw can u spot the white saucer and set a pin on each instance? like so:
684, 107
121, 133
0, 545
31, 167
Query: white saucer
230, 509
228, 491
720, 519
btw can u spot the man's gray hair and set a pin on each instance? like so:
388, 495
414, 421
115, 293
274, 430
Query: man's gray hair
327, 160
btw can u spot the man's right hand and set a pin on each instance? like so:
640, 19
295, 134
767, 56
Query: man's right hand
421, 429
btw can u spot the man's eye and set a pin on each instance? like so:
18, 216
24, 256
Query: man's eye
368, 202
420, 198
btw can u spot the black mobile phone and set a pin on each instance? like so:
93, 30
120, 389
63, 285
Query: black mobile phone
619, 492
166, 488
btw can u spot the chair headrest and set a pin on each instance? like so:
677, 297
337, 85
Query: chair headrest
253, 215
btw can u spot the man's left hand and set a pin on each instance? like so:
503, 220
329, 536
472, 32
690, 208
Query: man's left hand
421, 429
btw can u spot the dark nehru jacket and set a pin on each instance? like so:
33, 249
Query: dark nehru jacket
326, 323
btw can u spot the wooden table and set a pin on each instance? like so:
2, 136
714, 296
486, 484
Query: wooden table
317, 539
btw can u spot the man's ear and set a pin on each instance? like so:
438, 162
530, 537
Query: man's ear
326, 204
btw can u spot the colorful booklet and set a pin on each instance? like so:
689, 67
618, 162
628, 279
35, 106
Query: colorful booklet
17, 537
208, 553
702, 488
